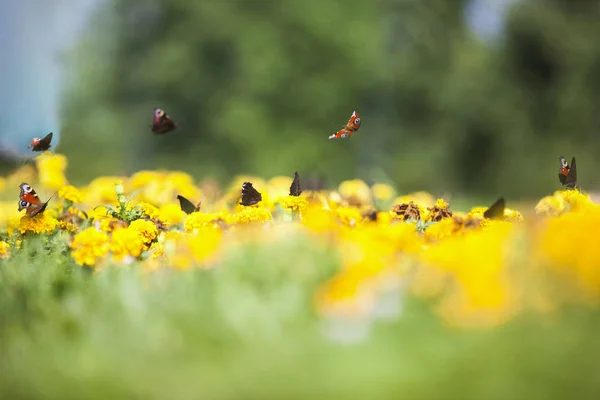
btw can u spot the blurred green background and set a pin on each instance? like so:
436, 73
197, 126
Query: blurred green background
257, 86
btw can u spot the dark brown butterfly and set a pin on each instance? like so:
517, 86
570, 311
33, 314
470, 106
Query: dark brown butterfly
295, 186
162, 122
187, 206
38, 144
567, 174
30, 202
496, 210
250, 196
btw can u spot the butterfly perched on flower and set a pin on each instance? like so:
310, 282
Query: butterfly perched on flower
351, 126
30, 202
162, 122
295, 186
187, 206
496, 210
38, 144
250, 195
567, 174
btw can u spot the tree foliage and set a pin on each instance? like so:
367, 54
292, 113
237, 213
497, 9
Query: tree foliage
257, 86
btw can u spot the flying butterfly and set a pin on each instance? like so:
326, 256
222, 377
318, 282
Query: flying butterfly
162, 122
187, 206
30, 202
351, 126
38, 144
496, 210
567, 174
295, 186
250, 195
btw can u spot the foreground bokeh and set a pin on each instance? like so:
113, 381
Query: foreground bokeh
357, 292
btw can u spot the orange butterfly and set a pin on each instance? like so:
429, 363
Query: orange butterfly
29, 201
351, 127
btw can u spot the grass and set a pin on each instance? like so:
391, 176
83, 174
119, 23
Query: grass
247, 329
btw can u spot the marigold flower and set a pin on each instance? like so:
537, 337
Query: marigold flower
199, 221
149, 210
146, 229
253, 214
382, 191
70, 193
295, 203
41, 223
126, 242
356, 192
89, 246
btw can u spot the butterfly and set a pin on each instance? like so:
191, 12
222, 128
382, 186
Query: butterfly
250, 196
29, 200
295, 186
187, 206
567, 174
496, 210
38, 144
162, 123
351, 126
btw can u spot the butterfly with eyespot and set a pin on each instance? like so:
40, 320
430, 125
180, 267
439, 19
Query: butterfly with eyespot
162, 122
187, 206
30, 202
351, 126
295, 186
496, 210
38, 144
250, 195
567, 174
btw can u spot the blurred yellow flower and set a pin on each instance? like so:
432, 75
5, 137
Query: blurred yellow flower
149, 210
199, 221
356, 192
89, 246
171, 214
423, 199
126, 242
4, 250
51, 169
382, 191
70, 193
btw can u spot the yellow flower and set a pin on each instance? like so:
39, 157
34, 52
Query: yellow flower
382, 191
51, 168
67, 226
356, 192
423, 199
41, 223
318, 219
89, 246
171, 214
146, 229
70, 193
4, 250
126, 242
200, 221
150, 210
349, 215
551, 206
442, 229
253, 214
296, 203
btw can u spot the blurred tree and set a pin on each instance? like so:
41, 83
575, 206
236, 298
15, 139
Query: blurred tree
257, 86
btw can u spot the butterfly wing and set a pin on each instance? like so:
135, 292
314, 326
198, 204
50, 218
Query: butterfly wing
563, 171
162, 122
29, 200
295, 187
250, 195
496, 210
571, 178
186, 206
43, 144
